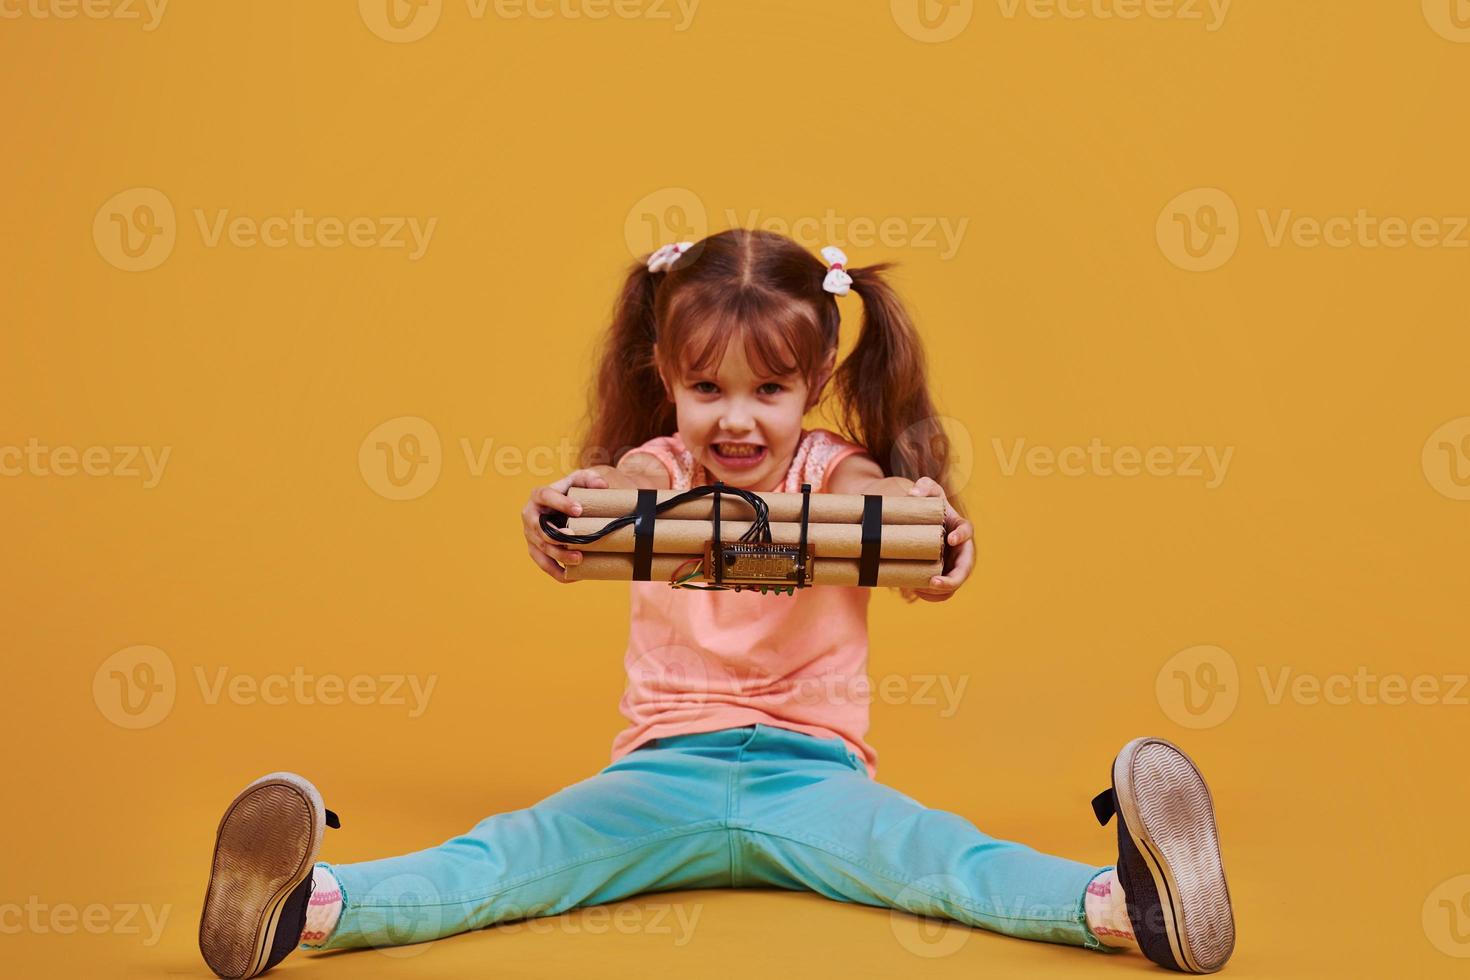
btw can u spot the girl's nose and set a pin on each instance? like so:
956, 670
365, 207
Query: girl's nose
736, 422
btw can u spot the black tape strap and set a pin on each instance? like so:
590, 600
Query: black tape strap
872, 537
806, 506
643, 535
715, 555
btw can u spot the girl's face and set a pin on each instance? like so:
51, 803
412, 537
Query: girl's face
742, 426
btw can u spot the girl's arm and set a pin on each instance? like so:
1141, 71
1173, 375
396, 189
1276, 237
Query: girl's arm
635, 471
859, 473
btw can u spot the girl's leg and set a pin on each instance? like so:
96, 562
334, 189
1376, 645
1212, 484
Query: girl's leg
810, 817
652, 821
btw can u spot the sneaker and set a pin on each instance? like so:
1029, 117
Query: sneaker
1169, 857
260, 880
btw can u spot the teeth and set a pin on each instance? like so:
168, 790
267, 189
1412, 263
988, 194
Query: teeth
730, 449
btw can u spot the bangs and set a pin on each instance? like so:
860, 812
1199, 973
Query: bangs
780, 334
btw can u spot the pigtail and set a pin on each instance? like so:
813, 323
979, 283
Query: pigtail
882, 388
627, 404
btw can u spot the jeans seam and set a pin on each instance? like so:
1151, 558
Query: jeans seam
732, 789
837, 851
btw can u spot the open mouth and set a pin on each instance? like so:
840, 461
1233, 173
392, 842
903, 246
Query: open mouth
738, 455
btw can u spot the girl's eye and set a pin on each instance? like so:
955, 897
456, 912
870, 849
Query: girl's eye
776, 389
706, 387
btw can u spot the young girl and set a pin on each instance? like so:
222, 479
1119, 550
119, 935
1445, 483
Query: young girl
730, 772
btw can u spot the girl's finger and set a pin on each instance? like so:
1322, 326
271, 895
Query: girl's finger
554, 499
547, 565
553, 548
566, 556
962, 533
963, 562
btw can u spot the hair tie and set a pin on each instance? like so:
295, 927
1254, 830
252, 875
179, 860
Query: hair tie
667, 255
838, 282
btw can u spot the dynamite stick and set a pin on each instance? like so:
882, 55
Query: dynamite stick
914, 542
606, 566
826, 508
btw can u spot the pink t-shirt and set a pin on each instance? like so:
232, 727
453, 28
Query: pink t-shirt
700, 661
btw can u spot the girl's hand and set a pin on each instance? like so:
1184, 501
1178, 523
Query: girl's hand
545, 500
959, 552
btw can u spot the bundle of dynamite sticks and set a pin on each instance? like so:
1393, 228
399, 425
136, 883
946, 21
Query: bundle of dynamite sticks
849, 539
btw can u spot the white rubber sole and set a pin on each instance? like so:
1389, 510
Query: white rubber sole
1169, 813
266, 845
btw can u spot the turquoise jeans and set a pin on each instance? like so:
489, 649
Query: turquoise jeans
749, 806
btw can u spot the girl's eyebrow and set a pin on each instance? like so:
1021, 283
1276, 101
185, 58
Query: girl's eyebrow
692, 377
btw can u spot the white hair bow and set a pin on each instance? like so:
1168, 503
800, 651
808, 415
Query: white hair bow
838, 282
667, 255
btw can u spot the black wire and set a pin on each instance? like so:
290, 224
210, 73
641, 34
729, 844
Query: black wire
759, 530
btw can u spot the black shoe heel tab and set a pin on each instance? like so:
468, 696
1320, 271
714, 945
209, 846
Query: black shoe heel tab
336, 824
1104, 805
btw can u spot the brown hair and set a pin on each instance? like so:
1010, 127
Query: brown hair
766, 290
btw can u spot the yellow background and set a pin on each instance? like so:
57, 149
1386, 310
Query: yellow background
548, 150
